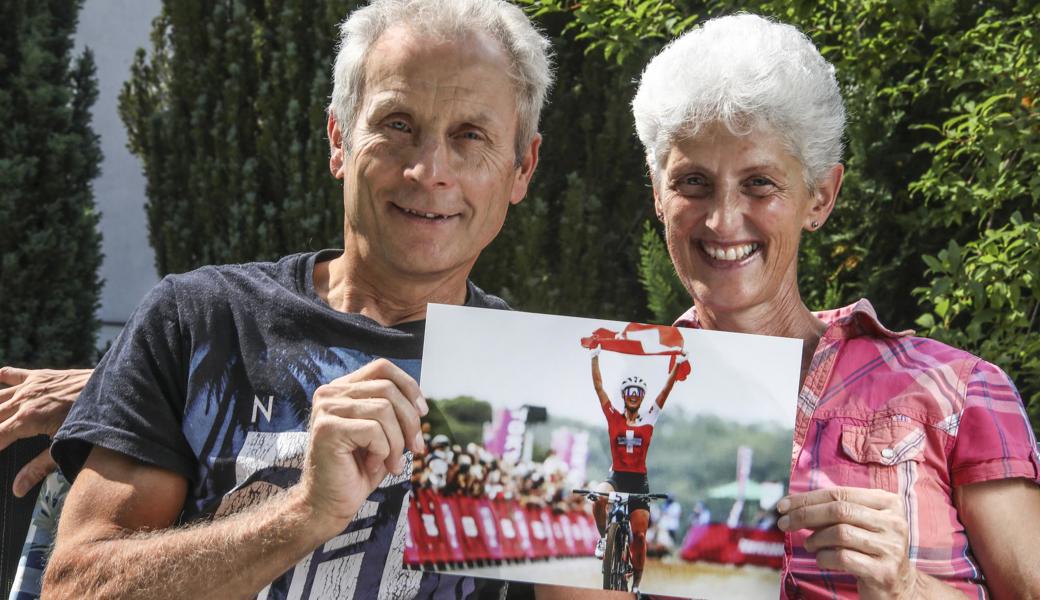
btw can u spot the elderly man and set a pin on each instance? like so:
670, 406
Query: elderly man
247, 433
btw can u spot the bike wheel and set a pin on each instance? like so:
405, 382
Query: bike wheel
614, 559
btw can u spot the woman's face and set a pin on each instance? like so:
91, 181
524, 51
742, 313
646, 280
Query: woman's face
734, 207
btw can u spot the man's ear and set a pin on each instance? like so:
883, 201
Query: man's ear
524, 172
825, 197
337, 156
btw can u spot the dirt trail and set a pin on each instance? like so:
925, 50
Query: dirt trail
670, 576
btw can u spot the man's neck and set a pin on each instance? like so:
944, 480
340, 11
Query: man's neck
347, 285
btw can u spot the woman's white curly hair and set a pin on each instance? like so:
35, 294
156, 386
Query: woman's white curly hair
748, 73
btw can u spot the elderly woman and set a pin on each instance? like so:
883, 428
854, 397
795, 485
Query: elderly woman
914, 469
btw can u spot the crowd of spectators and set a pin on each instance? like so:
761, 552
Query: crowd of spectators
471, 470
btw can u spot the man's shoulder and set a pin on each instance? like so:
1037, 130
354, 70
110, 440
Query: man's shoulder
479, 298
283, 271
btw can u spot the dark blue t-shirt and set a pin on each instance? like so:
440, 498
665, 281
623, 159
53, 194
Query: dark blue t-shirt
212, 379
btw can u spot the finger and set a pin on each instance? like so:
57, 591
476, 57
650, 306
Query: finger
380, 411
369, 438
384, 369
13, 375
871, 498
847, 561
407, 413
12, 430
32, 473
846, 536
818, 516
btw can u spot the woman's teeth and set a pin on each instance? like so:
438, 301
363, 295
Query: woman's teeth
729, 253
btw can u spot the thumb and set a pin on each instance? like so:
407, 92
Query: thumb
13, 375
32, 473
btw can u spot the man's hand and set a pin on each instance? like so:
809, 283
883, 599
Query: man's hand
36, 403
361, 424
858, 531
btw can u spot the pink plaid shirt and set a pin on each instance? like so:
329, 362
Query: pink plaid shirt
910, 415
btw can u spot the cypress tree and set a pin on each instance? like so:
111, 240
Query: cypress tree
50, 248
227, 114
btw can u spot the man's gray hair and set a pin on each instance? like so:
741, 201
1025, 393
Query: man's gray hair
527, 49
747, 72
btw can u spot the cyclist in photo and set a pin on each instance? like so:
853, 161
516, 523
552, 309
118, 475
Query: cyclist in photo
630, 433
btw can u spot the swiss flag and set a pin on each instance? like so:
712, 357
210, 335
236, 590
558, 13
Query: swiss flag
642, 340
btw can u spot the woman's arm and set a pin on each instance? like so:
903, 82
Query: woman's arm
1002, 519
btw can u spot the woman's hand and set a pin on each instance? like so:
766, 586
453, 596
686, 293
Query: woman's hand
858, 531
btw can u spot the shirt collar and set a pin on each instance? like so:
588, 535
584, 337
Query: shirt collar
855, 320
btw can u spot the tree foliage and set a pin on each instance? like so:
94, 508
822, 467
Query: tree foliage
50, 248
943, 149
227, 113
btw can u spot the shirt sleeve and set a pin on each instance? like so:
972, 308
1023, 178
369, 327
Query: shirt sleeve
134, 401
994, 437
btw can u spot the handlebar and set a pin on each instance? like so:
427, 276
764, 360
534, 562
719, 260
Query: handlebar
624, 496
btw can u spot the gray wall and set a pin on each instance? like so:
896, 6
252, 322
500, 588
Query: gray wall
114, 29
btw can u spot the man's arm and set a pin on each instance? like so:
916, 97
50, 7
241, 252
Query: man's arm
597, 382
663, 396
36, 402
115, 539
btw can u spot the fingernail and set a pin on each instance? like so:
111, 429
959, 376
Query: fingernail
783, 505
420, 444
424, 408
783, 522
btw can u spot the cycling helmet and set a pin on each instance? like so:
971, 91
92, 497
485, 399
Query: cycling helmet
630, 384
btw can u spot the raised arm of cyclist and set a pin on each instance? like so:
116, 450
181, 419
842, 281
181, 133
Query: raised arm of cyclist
597, 381
663, 396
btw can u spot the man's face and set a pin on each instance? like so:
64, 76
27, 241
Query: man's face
432, 165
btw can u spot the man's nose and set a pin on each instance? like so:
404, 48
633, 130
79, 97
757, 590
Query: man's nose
431, 165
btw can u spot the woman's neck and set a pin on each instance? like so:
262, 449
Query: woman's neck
789, 318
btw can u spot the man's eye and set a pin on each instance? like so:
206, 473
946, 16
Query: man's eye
471, 135
398, 126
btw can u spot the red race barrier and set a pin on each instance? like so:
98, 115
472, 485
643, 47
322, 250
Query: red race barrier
510, 538
523, 530
451, 528
473, 544
570, 547
459, 529
719, 543
489, 529
539, 534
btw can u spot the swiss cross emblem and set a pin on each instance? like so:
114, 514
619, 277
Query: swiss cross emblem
629, 441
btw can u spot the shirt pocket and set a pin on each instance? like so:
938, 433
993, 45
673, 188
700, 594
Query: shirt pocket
886, 448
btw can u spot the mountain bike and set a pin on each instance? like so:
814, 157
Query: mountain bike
617, 558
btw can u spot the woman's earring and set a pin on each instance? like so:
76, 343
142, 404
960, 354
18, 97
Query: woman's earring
814, 225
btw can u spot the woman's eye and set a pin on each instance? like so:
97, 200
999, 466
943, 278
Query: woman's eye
471, 135
758, 182
398, 125
692, 185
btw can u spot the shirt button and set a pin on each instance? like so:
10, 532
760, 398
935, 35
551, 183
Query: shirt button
888, 453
